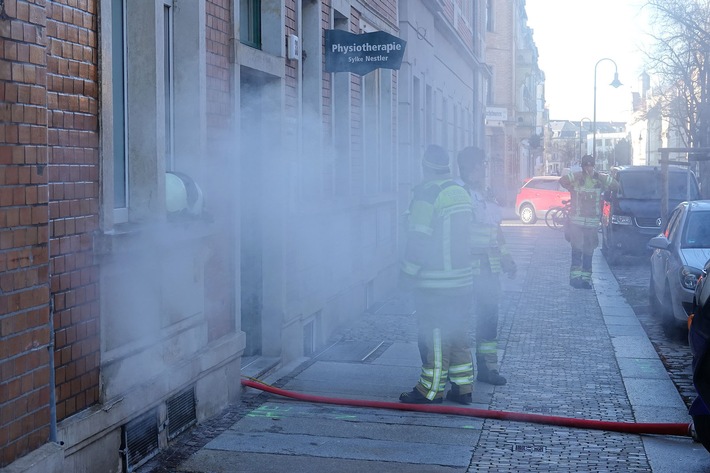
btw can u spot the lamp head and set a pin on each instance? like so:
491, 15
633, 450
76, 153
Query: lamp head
616, 83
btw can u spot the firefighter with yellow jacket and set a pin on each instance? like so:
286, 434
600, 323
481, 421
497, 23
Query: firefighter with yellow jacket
582, 231
437, 267
490, 258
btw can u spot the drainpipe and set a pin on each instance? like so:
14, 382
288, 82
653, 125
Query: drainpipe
52, 380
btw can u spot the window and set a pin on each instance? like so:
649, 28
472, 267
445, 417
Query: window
489, 15
118, 78
371, 130
145, 131
168, 83
250, 23
697, 233
648, 184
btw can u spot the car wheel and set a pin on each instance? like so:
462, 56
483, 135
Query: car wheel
701, 427
527, 214
610, 253
673, 329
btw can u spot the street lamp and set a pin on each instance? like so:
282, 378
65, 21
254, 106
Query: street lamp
615, 83
581, 120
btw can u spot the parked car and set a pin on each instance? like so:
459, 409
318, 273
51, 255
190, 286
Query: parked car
679, 255
699, 342
538, 195
631, 216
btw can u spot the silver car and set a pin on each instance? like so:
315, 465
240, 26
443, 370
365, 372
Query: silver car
679, 255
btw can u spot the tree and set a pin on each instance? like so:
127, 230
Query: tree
622, 152
680, 58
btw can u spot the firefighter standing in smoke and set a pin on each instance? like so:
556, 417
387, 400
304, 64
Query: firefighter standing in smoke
586, 187
437, 266
490, 258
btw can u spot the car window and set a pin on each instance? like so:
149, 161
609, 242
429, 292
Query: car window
672, 225
697, 233
543, 184
647, 185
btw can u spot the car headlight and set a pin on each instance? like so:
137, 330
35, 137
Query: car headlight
621, 220
689, 277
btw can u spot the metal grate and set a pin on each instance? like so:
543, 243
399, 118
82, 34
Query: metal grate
139, 440
648, 222
181, 412
528, 448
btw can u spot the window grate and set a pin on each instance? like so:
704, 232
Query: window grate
139, 440
182, 413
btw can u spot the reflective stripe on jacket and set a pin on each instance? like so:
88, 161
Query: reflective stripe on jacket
586, 194
437, 255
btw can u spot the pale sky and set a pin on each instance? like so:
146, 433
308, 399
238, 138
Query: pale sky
571, 36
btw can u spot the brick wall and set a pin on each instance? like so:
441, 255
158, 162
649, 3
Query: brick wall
72, 138
24, 259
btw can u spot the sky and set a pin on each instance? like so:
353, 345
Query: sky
571, 37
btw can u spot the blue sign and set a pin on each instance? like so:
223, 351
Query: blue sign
362, 53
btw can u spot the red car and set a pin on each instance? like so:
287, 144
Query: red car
537, 195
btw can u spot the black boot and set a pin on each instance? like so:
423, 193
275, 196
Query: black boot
486, 375
415, 397
455, 396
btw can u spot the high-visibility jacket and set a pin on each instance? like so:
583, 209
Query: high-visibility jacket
487, 240
586, 191
437, 254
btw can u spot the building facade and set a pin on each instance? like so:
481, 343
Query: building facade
185, 193
440, 105
515, 100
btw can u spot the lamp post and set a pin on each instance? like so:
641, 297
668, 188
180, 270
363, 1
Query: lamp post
615, 83
581, 120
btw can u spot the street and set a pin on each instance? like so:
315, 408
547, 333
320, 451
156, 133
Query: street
566, 352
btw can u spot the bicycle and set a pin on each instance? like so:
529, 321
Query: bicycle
556, 218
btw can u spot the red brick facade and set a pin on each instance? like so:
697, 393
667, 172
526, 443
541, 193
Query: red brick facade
48, 211
50, 208
72, 138
24, 230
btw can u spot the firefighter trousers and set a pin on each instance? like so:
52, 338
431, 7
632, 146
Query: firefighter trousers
584, 241
486, 296
443, 342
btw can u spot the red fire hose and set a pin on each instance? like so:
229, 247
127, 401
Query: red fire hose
679, 429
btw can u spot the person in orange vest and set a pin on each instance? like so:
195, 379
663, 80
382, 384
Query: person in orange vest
490, 258
586, 188
437, 268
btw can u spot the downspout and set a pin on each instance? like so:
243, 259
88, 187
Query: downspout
52, 380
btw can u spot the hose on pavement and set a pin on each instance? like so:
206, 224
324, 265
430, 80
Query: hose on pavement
679, 429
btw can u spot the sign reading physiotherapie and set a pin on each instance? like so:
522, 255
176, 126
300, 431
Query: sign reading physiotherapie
362, 53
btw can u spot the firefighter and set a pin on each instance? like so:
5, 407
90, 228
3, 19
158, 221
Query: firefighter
490, 258
437, 267
582, 231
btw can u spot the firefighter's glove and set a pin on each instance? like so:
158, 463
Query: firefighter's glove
509, 266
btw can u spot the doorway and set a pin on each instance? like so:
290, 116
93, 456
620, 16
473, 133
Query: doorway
251, 228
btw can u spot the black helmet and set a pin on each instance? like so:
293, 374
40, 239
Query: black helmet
587, 159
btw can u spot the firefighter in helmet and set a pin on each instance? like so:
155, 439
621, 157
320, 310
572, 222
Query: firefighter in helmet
490, 258
437, 267
586, 187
